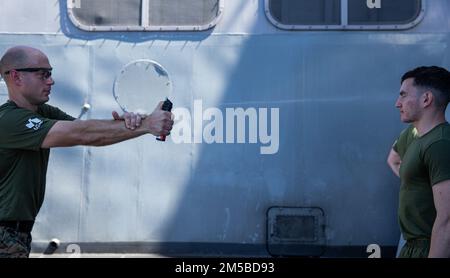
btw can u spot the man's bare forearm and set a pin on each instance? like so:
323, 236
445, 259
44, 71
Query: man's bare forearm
440, 239
106, 132
394, 162
90, 133
440, 234
395, 167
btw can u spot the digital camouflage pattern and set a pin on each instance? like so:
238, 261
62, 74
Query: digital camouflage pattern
14, 244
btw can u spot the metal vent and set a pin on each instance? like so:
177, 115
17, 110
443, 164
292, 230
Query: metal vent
295, 228
296, 231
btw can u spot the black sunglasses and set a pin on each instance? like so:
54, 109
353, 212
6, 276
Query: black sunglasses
46, 72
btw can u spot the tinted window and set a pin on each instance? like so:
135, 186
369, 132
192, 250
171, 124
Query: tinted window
380, 12
109, 12
306, 12
139, 14
182, 12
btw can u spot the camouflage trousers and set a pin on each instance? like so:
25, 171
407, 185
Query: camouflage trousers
14, 244
418, 248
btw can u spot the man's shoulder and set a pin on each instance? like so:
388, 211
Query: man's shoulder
11, 115
446, 130
46, 109
53, 112
439, 137
442, 133
406, 137
9, 109
6, 106
409, 133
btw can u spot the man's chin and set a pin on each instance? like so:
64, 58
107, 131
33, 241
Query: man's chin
43, 101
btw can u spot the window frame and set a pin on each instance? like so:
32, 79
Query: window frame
344, 21
144, 25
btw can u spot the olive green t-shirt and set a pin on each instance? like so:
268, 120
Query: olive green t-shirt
408, 135
23, 163
425, 162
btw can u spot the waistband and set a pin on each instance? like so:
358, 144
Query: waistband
20, 226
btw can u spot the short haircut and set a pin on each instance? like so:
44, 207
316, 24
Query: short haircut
433, 78
14, 57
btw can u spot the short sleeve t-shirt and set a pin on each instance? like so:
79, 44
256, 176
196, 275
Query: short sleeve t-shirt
23, 163
407, 136
426, 162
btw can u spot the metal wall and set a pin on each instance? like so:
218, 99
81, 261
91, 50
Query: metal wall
335, 92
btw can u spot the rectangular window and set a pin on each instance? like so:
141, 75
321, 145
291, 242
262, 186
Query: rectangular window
109, 12
306, 12
144, 15
344, 14
363, 12
176, 12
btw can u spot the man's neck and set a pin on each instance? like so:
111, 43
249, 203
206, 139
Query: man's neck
427, 123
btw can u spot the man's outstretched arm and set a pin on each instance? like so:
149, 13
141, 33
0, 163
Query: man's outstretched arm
105, 132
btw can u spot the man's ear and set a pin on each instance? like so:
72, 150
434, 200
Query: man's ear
427, 98
15, 77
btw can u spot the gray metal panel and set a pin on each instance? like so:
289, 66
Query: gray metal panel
336, 94
21, 16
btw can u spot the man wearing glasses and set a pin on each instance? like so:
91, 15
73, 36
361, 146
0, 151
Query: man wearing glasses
29, 128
